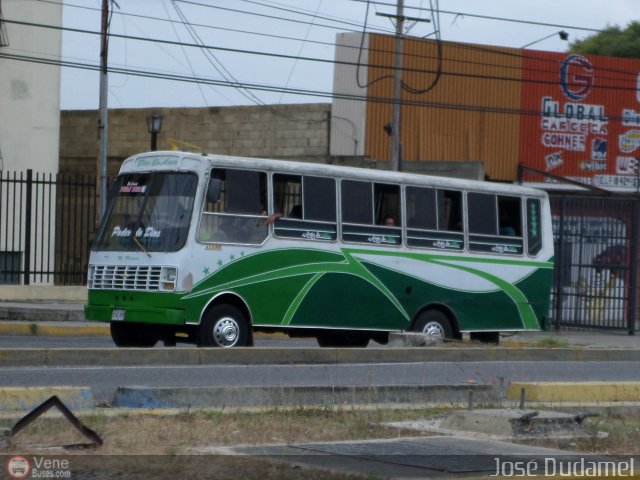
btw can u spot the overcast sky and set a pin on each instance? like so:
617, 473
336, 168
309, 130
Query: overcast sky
310, 36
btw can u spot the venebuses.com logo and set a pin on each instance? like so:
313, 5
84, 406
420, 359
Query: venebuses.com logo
18, 467
38, 467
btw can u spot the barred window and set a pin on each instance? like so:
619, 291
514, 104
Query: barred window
4, 38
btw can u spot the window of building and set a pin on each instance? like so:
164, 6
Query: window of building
4, 38
434, 218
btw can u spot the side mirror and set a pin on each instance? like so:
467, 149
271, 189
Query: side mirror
213, 190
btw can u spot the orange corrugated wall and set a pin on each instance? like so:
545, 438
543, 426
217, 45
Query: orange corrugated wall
470, 114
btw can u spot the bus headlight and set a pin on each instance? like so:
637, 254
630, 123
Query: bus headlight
168, 277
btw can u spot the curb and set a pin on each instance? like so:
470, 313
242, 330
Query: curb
575, 391
21, 328
28, 398
288, 356
291, 396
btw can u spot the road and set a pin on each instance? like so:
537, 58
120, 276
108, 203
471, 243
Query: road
106, 342
105, 380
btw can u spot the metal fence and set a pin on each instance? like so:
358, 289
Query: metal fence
47, 224
595, 284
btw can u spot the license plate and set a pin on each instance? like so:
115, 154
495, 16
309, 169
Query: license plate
117, 314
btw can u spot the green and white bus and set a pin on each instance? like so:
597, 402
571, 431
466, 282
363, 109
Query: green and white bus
209, 249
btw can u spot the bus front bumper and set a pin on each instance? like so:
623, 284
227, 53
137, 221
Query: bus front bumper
107, 313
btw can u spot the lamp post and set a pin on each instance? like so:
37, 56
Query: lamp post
154, 124
562, 34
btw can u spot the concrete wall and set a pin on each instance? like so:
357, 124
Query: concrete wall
293, 132
30, 92
297, 132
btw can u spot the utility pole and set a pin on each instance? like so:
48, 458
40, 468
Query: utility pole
396, 159
103, 113
396, 145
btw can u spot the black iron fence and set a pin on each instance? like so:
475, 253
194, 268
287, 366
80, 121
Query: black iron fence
47, 224
596, 275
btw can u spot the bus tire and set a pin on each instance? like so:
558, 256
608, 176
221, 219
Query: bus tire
345, 340
132, 335
224, 326
434, 324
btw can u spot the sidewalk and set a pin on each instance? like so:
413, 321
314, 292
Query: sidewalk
66, 318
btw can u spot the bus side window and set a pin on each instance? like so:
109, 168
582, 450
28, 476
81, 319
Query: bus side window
449, 210
287, 195
495, 224
483, 215
534, 227
434, 218
370, 213
307, 207
238, 214
319, 199
509, 216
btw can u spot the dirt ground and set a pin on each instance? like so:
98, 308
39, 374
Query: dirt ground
168, 445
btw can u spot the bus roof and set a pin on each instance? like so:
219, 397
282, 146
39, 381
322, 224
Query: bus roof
177, 160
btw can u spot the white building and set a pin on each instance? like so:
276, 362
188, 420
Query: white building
29, 91
29, 137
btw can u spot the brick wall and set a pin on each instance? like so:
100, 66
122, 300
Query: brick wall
298, 131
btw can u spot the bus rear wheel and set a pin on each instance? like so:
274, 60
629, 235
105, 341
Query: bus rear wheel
224, 326
132, 335
434, 324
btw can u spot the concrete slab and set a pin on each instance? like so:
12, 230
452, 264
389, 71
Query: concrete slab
513, 423
410, 457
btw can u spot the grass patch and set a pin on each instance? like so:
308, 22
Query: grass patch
551, 342
160, 445
175, 434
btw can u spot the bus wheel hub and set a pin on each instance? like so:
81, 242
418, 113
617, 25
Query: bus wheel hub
434, 331
226, 332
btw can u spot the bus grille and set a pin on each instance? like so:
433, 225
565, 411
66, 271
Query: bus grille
111, 277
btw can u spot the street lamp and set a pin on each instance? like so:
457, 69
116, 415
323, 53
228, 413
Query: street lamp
562, 34
154, 124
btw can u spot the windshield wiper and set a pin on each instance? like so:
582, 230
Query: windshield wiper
139, 244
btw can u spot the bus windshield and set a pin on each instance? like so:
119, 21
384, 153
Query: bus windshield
150, 212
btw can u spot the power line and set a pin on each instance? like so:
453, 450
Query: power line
272, 17
271, 88
451, 44
492, 17
328, 61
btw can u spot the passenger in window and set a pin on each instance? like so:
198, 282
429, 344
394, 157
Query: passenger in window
506, 229
389, 221
270, 218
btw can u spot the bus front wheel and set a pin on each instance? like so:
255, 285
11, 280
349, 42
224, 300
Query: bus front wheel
434, 324
223, 326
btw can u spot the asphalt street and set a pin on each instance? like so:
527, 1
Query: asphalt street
104, 381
